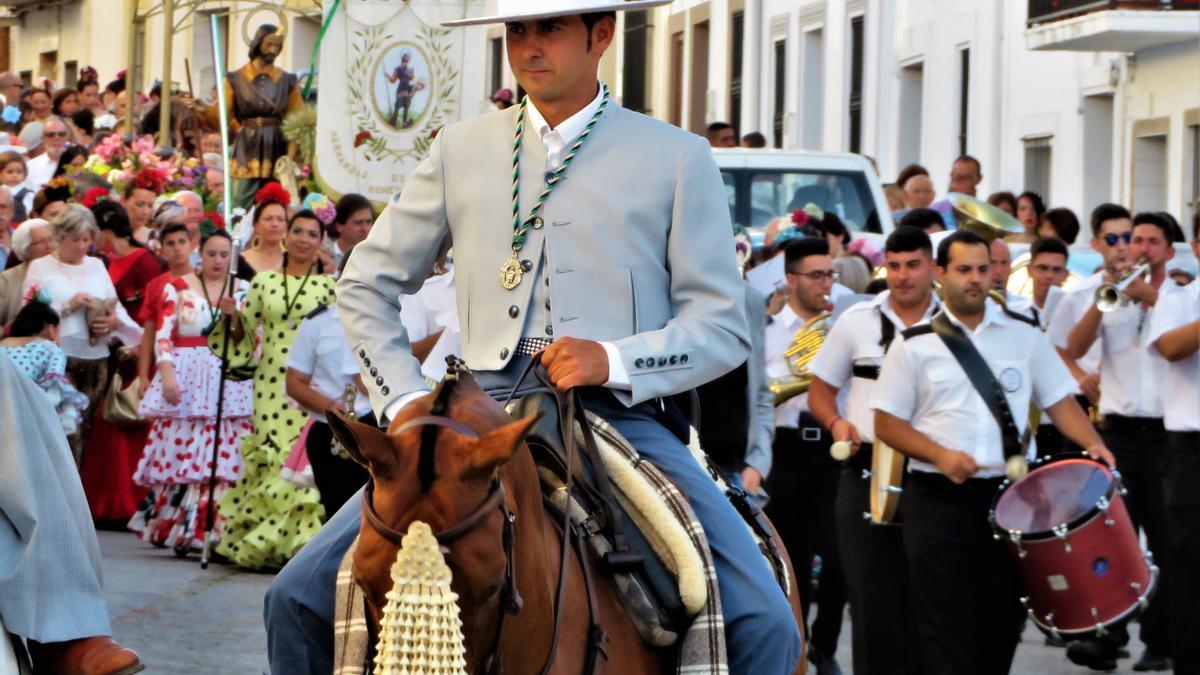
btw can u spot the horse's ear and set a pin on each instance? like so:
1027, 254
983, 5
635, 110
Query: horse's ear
496, 447
361, 441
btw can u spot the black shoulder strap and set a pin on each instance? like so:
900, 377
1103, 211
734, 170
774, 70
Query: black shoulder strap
985, 383
887, 330
321, 307
1032, 321
920, 329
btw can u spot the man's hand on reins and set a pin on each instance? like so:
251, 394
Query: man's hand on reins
572, 362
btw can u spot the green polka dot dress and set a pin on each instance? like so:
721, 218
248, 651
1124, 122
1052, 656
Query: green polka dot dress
267, 519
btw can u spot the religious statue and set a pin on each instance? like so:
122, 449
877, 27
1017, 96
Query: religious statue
257, 97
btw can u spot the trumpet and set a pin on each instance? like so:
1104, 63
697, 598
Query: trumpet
805, 345
1110, 297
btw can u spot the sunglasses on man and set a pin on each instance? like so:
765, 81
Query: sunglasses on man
1112, 239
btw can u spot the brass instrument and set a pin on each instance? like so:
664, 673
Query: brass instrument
1110, 297
980, 217
805, 345
349, 395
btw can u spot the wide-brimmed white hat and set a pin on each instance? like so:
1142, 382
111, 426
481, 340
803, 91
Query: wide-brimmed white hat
529, 10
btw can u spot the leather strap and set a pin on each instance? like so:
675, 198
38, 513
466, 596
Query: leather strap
866, 372
887, 331
980, 375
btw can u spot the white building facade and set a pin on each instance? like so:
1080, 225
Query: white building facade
1082, 101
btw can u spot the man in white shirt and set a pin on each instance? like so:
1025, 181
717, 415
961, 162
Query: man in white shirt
352, 224
965, 585
1175, 334
319, 369
1048, 270
1131, 402
885, 640
804, 478
1112, 228
1001, 266
54, 139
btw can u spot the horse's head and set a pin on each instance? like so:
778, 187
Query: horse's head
439, 463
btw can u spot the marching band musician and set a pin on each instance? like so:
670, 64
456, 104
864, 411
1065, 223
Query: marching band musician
1132, 406
965, 585
1175, 334
881, 612
804, 478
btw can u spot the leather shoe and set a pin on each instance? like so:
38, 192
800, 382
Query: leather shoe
1151, 661
87, 656
1094, 653
825, 663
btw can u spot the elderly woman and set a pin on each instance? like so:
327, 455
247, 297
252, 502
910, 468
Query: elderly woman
31, 240
82, 293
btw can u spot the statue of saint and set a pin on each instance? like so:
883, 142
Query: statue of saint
257, 97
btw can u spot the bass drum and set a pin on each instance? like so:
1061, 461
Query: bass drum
1075, 547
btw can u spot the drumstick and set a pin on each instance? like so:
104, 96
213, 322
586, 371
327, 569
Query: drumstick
840, 450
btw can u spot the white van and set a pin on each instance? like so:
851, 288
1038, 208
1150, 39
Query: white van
764, 184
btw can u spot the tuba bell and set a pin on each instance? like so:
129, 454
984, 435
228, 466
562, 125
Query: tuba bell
805, 345
980, 217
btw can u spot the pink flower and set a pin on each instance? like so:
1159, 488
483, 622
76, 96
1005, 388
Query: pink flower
800, 218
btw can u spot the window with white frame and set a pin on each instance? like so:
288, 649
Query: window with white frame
1037, 165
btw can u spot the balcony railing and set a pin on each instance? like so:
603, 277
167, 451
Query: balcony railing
1043, 11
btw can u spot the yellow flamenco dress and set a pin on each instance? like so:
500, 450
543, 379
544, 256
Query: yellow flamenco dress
267, 519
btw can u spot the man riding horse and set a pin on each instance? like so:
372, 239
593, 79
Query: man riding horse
621, 277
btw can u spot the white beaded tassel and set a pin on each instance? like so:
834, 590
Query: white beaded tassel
421, 632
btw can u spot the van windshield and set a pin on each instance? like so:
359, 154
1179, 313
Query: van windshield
756, 196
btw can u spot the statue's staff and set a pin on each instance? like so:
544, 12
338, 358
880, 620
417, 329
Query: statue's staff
209, 518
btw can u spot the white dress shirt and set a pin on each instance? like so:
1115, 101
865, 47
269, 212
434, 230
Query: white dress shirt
1070, 310
1181, 390
1130, 373
778, 336
854, 341
320, 350
40, 170
923, 383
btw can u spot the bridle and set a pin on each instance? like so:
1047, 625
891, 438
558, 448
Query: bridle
510, 598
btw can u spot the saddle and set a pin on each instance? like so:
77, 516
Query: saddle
618, 511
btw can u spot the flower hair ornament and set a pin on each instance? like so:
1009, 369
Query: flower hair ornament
37, 294
95, 196
867, 250
150, 179
210, 223
11, 114
59, 190
804, 224
272, 193
322, 206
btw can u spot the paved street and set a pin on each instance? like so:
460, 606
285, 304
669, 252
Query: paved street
187, 621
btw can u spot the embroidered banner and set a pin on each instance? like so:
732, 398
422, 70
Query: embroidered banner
390, 78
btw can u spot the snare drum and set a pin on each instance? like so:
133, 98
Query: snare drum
1077, 551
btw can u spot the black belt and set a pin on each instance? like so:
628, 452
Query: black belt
806, 434
866, 372
1121, 423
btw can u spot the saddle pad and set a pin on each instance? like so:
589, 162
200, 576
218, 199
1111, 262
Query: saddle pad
351, 636
642, 488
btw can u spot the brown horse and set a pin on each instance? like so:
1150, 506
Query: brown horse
457, 461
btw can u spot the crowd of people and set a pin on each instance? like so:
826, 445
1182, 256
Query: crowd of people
121, 283
193, 363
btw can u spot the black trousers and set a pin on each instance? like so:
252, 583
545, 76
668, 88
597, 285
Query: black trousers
803, 488
337, 479
965, 586
1140, 447
1183, 518
876, 570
